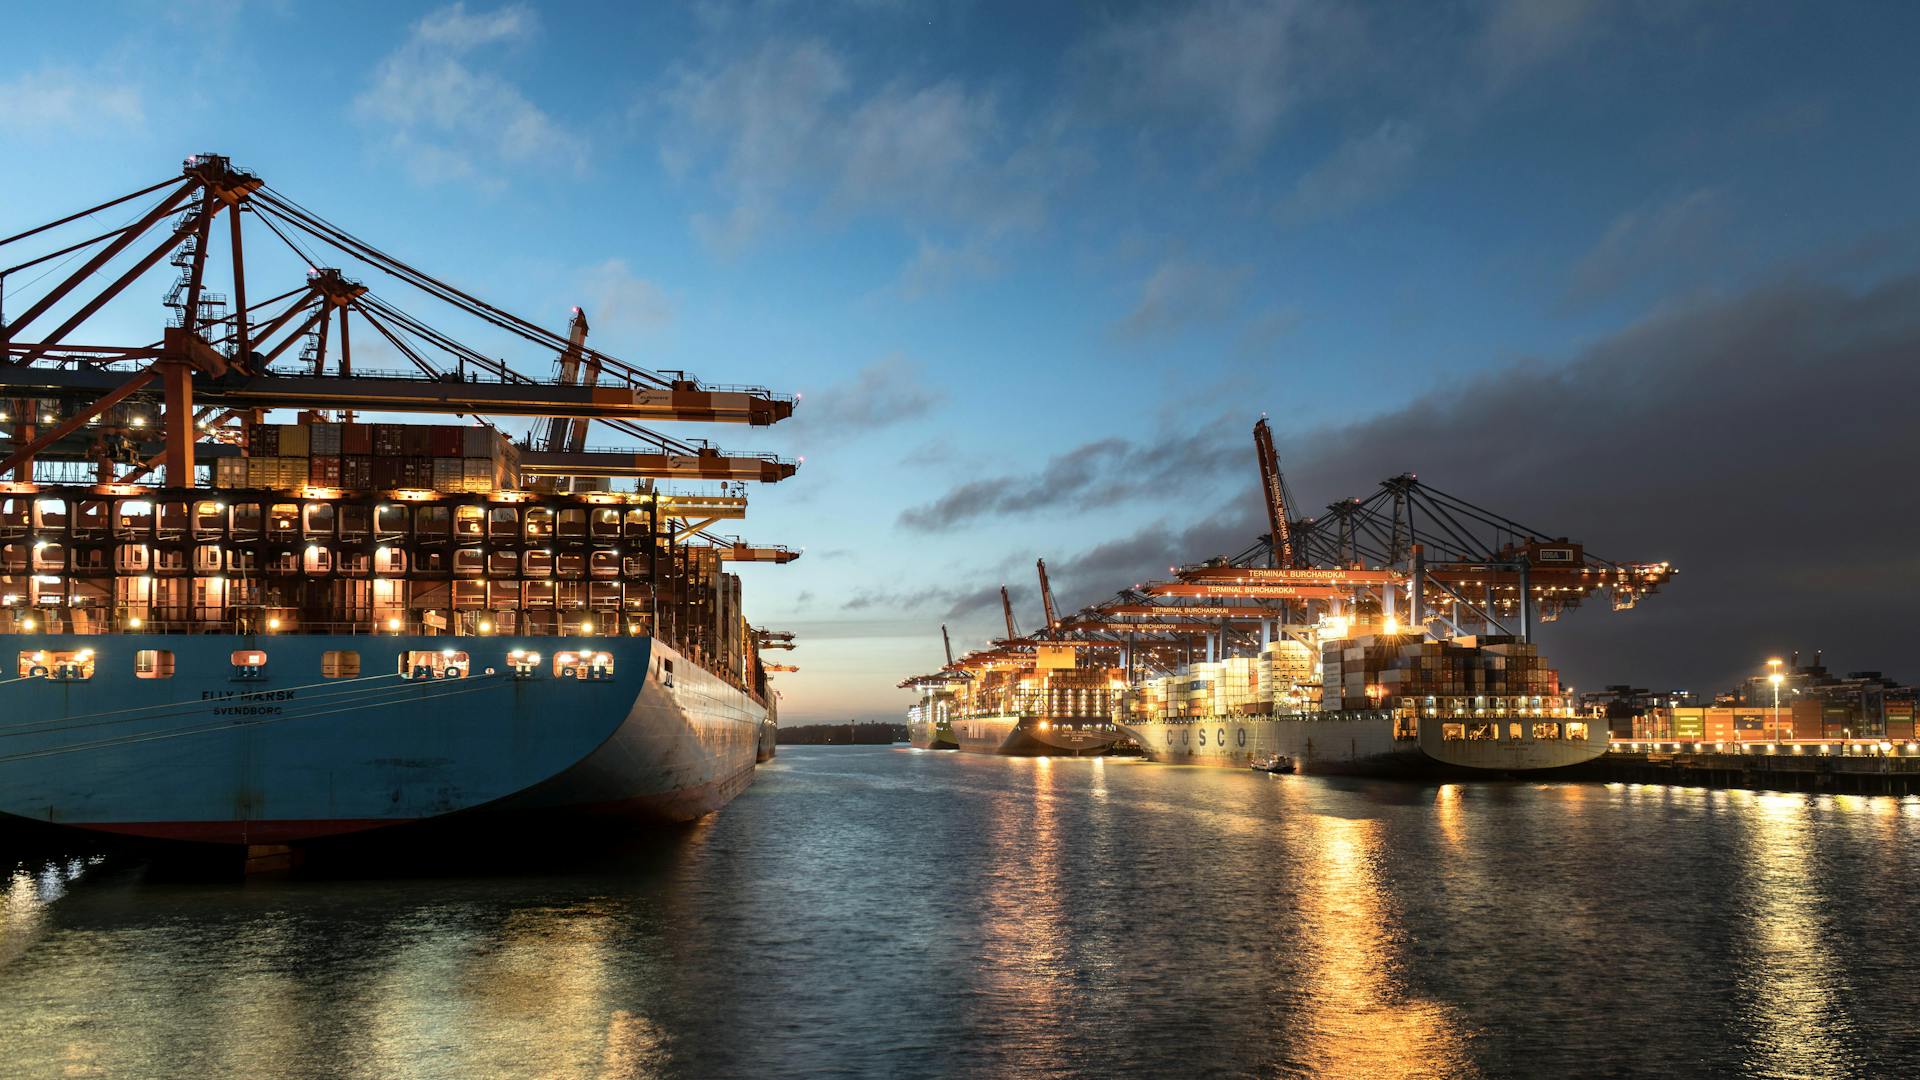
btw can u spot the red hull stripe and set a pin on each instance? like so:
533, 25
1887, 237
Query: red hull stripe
238, 832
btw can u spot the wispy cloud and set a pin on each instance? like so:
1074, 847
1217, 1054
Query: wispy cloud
1102, 473
1660, 242
617, 297
888, 391
68, 102
936, 267
1519, 35
1360, 170
1181, 292
450, 118
788, 129
1237, 67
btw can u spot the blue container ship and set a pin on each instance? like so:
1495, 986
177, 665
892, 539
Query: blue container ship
228, 631
265, 739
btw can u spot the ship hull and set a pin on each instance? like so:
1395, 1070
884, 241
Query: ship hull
1359, 745
1024, 736
931, 735
217, 755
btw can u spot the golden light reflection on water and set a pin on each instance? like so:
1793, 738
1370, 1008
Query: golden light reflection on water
1790, 980
1364, 1021
526, 996
24, 902
1025, 960
1447, 813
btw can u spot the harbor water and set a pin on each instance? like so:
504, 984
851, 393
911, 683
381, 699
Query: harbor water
893, 912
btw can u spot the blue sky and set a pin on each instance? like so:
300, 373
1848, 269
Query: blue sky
1037, 268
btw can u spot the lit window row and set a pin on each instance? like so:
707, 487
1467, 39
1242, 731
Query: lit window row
69, 665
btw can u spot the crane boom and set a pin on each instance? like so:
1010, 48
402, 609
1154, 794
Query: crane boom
1046, 595
948, 642
1274, 485
559, 428
1006, 605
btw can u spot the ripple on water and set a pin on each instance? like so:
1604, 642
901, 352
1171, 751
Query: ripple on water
887, 913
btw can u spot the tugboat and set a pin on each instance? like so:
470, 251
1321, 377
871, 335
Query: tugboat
1277, 763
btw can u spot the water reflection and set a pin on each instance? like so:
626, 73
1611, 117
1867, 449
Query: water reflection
1024, 964
871, 913
1791, 986
1366, 1024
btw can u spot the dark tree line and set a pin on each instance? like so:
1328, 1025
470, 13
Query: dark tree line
842, 734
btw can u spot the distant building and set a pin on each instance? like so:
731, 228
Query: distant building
1810, 703
1859, 704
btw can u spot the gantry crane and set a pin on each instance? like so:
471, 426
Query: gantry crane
1274, 485
1046, 595
226, 361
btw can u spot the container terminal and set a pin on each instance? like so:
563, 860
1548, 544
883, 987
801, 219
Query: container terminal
230, 631
1391, 635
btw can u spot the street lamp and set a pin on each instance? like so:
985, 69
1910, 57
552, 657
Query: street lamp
1776, 679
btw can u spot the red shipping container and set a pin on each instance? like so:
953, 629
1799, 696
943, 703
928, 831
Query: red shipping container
444, 441
387, 440
356, 439
387, 473
416, 440
323, 471
356, 473
1806, 720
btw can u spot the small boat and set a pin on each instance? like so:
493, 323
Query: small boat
1278, 763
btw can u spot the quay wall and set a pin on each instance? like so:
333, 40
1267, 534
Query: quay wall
1854, 768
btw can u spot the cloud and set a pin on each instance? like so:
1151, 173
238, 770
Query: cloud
1236, 66
1657, 242
68, 102
1179, 293
1267, 329
617, 297
1360, 170
888, 391
1520, 35
1104, 472
951, 602
1145, 554
938, 267
788, 123
449, 118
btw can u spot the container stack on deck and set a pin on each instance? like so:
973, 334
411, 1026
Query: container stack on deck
1360, 671
452, 459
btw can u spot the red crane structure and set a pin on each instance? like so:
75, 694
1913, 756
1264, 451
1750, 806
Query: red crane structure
214, 366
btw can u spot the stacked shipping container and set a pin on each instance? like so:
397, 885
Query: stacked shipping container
453, 459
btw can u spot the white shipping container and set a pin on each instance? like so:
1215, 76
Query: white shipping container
230, 472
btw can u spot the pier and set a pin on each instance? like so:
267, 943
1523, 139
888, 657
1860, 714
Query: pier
1849, 766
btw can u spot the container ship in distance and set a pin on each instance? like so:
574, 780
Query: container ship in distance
343, 626
1398, 705
1391, 637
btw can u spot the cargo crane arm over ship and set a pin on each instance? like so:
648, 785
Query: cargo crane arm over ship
1274, 485
228, 358
1046, 596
